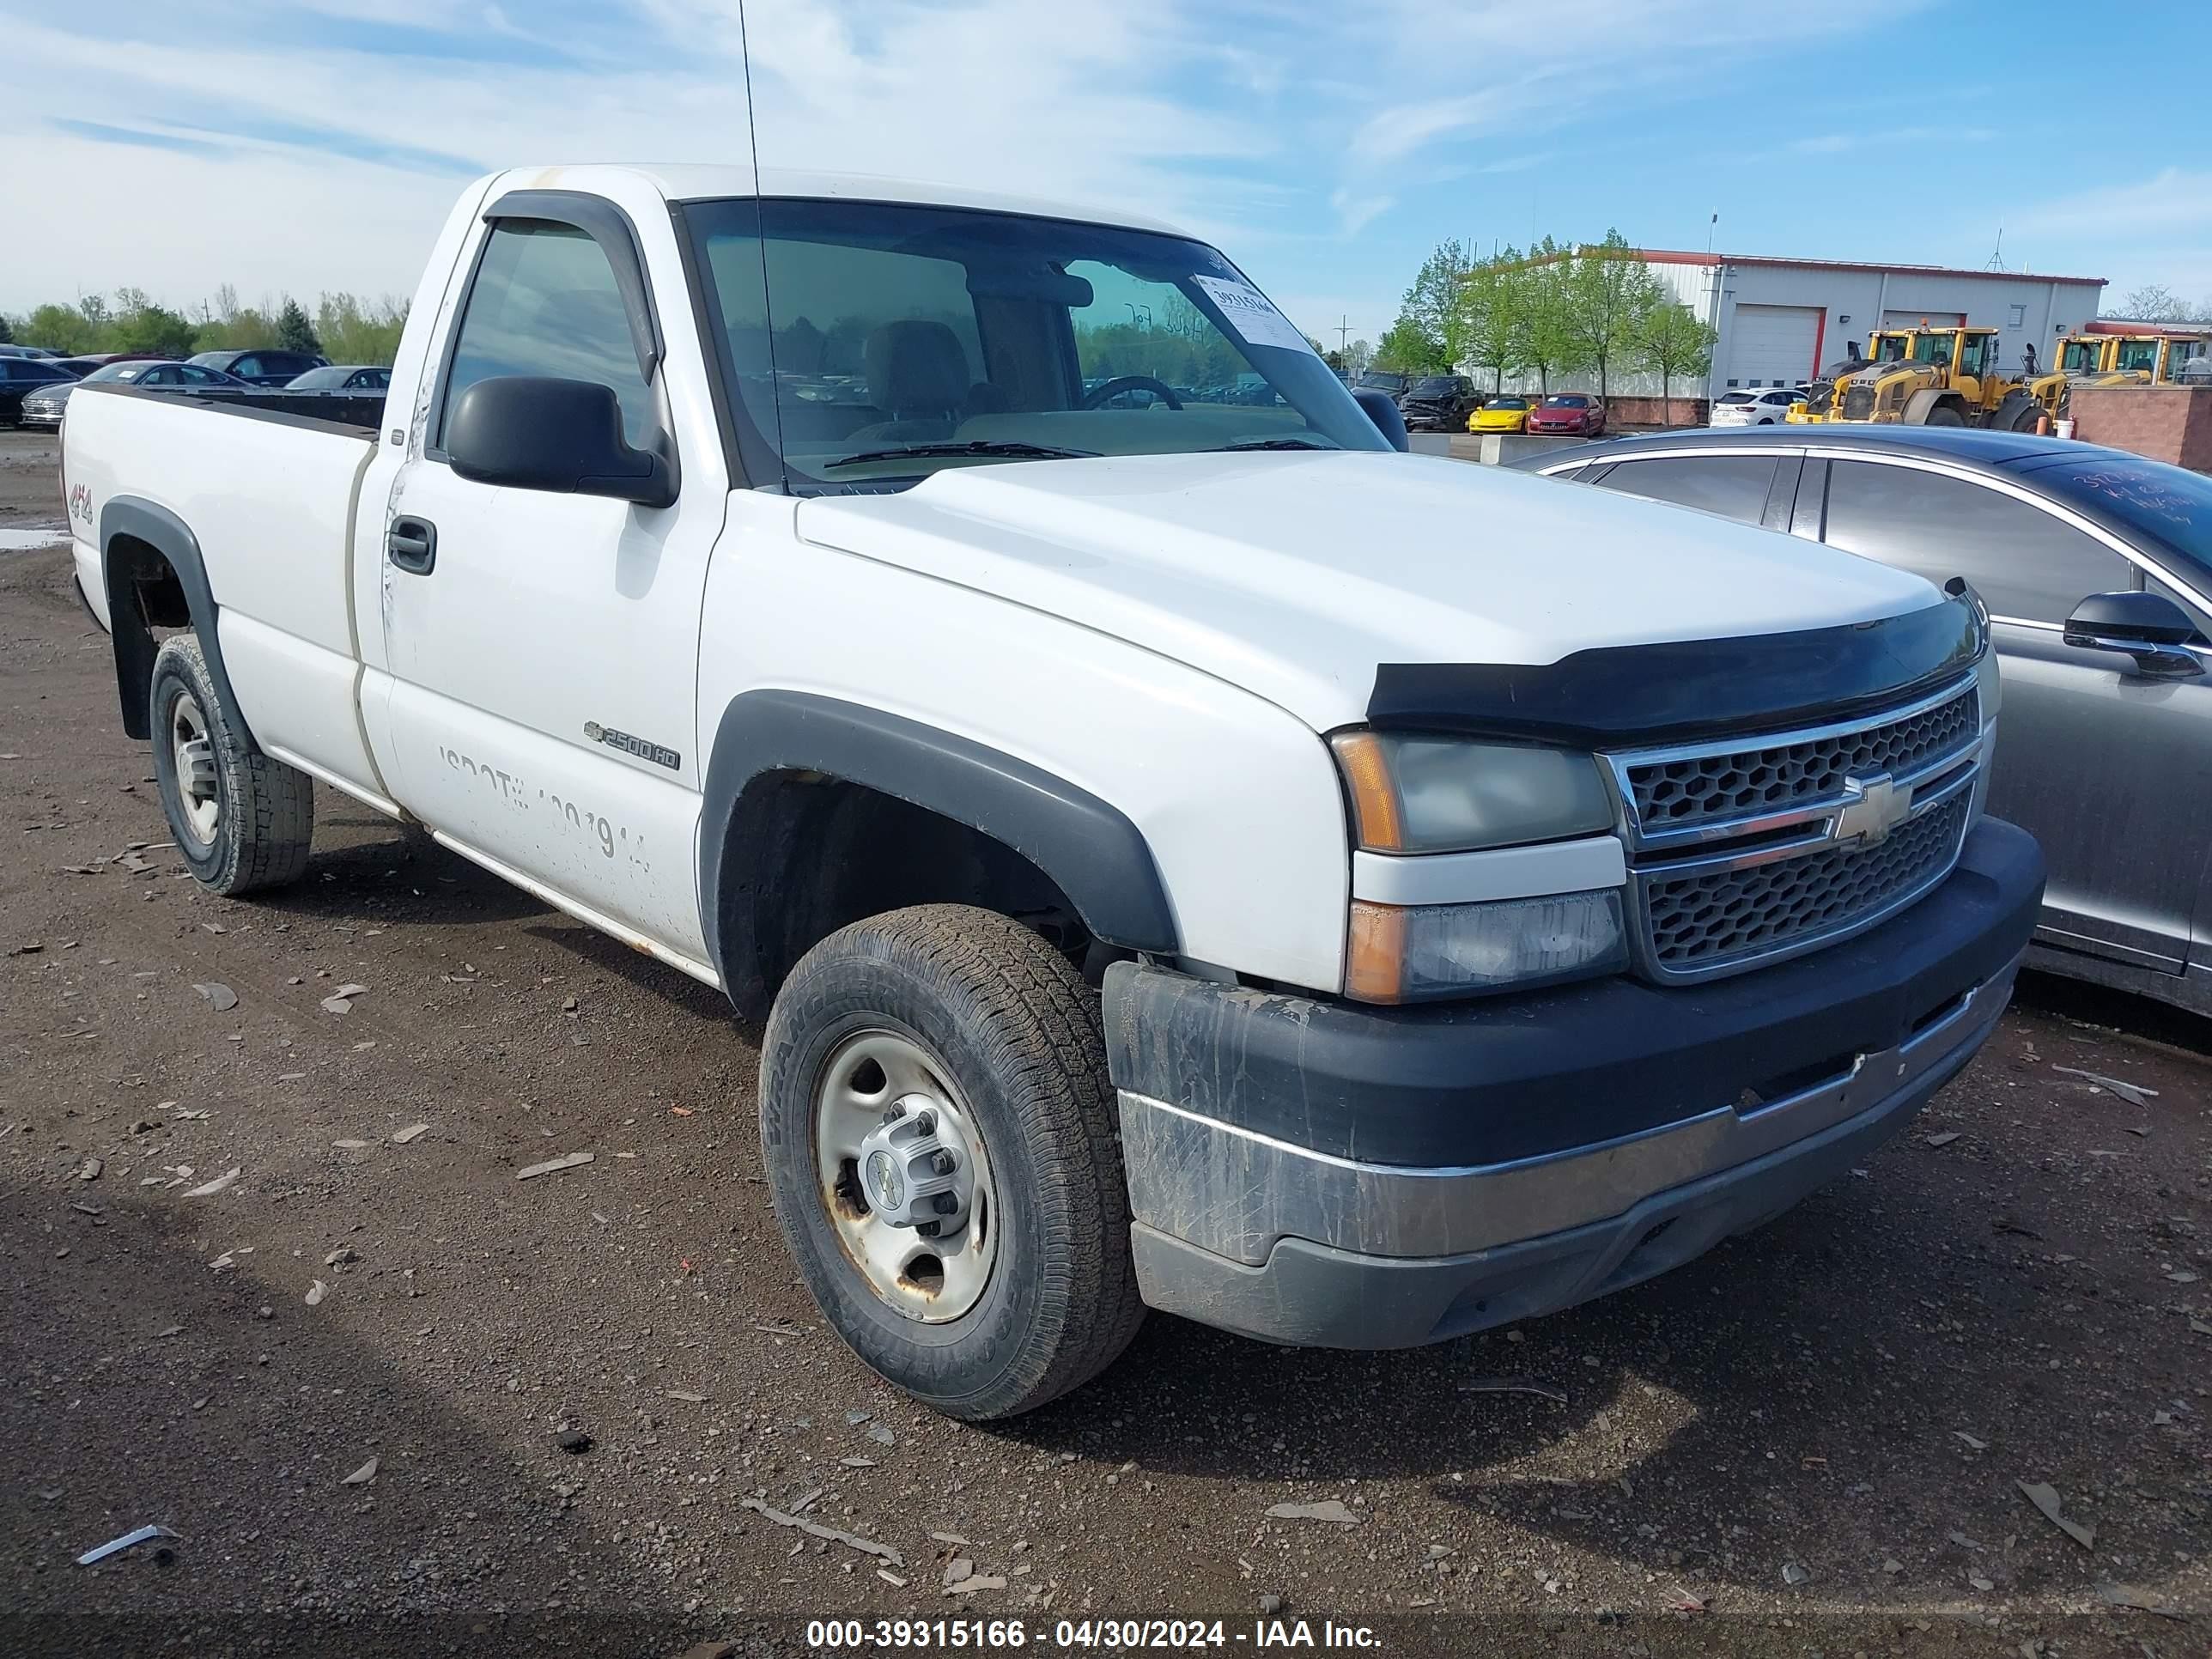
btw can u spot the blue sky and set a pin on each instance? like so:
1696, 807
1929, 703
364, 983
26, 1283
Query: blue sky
315, 144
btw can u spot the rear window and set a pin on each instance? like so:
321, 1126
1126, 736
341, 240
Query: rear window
2160, 502
1733, 486
1736, 396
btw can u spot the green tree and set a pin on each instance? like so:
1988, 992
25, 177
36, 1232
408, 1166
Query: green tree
1496, 296
7, 330
61, 328
225, 324
1405, 349
1436, 302
140, 324
1675, 343
355, 331
1548, 342
1606, 293
294, 332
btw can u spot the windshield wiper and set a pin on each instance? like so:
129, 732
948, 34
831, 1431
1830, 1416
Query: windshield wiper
1277, 443
1010, 448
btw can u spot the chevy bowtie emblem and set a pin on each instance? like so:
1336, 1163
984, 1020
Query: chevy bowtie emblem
1872, 808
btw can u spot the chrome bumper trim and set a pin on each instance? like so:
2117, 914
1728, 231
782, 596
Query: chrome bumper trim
1235, 1192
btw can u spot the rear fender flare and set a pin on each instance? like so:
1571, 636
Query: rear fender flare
1089, 848
121, 571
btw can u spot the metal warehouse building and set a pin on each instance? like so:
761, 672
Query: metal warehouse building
1779, 319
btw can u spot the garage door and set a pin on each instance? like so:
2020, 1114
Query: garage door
1914, 318
1773, 345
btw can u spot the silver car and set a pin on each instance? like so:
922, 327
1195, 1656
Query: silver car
2096, 566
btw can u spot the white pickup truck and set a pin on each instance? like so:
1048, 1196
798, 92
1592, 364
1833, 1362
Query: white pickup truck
1186, 853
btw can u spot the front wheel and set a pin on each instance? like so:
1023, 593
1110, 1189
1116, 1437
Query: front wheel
938, 1128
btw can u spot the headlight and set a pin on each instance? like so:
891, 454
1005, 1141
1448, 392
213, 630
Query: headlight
1423, 794
1409, 953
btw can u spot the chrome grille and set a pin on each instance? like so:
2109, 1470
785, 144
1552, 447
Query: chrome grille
1742, 853
1700, 922
1693, 789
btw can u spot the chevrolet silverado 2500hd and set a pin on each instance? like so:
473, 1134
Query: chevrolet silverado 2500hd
1183, 856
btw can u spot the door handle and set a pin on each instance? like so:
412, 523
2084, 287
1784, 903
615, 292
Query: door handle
412, 545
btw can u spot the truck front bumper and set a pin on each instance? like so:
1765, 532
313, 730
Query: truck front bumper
1319, 1173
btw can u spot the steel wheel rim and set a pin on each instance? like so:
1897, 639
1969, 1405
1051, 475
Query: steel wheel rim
198, 791
930, 1280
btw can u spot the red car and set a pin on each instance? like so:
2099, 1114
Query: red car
1576, 414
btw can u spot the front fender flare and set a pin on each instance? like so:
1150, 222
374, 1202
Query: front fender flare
134, 647
1089, 848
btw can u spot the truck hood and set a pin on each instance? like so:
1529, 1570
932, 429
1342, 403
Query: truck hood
1296, 576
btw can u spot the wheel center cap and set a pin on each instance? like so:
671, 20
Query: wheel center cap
915, 1167
883, 1182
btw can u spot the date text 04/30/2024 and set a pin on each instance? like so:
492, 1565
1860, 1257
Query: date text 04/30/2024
1100, 1635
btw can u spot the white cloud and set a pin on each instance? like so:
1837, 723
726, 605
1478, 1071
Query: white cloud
2173, 200
1355, 213
297, 145
1841, 143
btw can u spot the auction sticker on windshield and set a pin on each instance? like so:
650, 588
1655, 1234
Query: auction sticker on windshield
1251, 315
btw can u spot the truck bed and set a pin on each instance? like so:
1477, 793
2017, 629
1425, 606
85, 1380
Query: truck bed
355, 411
261, 494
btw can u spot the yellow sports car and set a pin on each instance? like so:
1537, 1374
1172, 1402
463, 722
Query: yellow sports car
1505, 414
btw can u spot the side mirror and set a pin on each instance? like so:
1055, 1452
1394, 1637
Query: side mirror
2148, 627
1383, 410
534, 432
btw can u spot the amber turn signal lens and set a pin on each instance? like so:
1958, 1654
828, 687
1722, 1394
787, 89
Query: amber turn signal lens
1366, 770
1375, 953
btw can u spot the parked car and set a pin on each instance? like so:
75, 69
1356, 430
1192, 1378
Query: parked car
1439, 402
46, 406
261, 366
1759, 406
11, 350
342, 377
1201, 1031
1508, 412
1382, 380
1574, 414
2097, 566
20, 377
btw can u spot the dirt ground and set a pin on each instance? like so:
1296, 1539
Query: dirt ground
1812, 1441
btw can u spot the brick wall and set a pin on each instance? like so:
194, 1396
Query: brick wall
2169, 423
1651, 411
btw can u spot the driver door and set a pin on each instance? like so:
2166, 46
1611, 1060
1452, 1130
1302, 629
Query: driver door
543, 648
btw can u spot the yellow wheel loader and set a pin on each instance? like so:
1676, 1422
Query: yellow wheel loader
2166, 359
1935, 377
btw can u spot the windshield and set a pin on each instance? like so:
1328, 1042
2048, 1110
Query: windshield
2079, 356
873, 343
2162, 502
1507, 403
119, 372
1436, 386
1568, 400
1380, 380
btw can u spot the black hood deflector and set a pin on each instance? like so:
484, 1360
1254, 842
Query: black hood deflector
1686, 689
